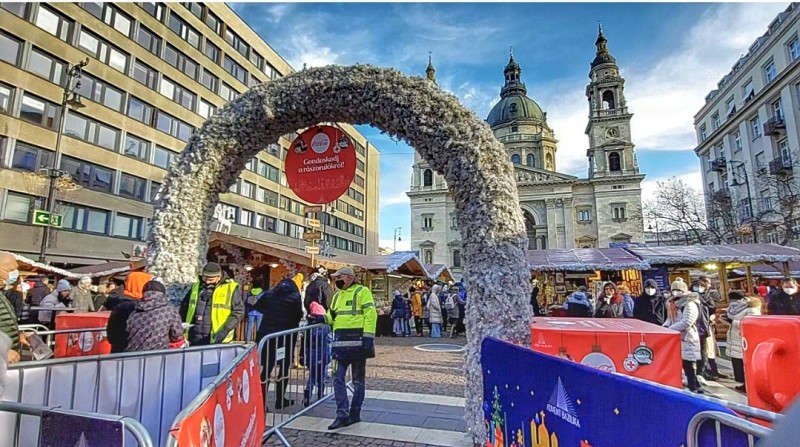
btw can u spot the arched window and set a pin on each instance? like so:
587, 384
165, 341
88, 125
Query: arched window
608, 100
614, 163
428, 257
531, 160
513, 109
457, 258
516, 159
427, 178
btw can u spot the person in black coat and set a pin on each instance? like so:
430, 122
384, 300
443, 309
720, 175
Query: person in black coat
35, 297
537, 308
786, 300
282, 308
318, 290
650, 306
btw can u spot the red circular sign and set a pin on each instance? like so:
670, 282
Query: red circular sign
321, 164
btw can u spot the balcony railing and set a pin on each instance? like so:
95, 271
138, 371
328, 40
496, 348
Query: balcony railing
718, 164
781, 165
775, 126
722, 194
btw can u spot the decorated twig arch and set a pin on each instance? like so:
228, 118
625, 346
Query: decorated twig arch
451, 138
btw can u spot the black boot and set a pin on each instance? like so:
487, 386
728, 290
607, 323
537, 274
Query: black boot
340, 423
306, 398
355, 416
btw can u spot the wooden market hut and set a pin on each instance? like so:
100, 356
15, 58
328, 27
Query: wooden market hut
28, 268
439, 272
560, 272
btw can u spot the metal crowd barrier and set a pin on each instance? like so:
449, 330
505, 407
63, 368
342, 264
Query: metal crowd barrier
144, 390
49, 336
303, 388
751, 429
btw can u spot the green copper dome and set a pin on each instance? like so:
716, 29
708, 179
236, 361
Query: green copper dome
514, 103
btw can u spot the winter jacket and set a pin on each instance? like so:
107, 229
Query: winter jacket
781, 303
15, 299
650, 308
153, 323
8, 322
627, 305
407, 308
577, 305
397, 308
51, 301
82, 299
686, 324
320, 291
435, 307
114, 298
35, 297
282, 308
121, 306
734, 338
454, 313
609, 307
200, 333
416, 304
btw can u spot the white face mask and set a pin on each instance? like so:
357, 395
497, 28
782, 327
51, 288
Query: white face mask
13, 276
790, 290
677, 293
650, 291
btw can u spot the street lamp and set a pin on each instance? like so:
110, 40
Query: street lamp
70, 98
749, 197
397, 232
658, 237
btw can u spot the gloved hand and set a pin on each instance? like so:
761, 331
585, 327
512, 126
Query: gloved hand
368, 343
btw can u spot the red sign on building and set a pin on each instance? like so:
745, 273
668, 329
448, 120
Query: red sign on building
321, 164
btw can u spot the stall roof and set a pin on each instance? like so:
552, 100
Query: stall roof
106, 269
402, 262
439, 272
584, 259
27, 264
699, 254
770, 271
292, 254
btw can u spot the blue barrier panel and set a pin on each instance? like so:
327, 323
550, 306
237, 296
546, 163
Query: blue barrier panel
536, 400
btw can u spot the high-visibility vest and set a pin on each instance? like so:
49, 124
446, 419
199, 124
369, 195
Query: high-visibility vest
221, 306
353, 308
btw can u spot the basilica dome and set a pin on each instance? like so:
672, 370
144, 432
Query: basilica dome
514, 104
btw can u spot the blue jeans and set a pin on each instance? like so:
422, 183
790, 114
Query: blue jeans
253, 322
397, 326
359, 369
436, 330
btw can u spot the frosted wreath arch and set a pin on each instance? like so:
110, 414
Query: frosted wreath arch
450, 137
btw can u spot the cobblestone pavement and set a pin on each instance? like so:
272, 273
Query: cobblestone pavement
398, 367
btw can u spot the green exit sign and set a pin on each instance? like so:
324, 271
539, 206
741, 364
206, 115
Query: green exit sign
44, 218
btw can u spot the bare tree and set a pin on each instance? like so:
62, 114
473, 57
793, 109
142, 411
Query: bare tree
778, 210
678, 211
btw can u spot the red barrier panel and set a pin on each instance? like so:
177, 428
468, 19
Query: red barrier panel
771, 355
81, 343
626, 346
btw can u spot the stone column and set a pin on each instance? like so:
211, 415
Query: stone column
552, 223
569, 223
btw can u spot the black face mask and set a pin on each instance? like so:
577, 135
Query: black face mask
340, 284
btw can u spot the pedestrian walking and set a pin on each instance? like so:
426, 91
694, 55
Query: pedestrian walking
214, 305
435, 314
685, 322
416, 309
397, 313
82, 299
318, 290
739, 308
353, 316
154, 322
462, 308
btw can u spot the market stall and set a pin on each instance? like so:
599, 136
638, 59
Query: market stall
559, 272
384, 274
29, 267
439, 272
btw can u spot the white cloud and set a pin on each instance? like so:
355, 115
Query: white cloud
395, 197
650, 185
275, 12
402, 245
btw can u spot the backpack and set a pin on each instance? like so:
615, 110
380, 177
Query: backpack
450, 303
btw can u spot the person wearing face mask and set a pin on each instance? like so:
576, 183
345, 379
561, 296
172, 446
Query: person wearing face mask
686, 322
650, 306
353, 317
786, 300
9, 275
214, 305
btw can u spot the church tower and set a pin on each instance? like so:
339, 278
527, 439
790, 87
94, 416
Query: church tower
610, 150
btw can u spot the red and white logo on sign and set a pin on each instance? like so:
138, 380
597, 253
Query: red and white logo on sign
324, 173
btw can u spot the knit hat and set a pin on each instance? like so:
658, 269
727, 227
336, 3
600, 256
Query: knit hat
678, 284
63, 286
212, 269
154, 286
579, 296
85, 279
610, 284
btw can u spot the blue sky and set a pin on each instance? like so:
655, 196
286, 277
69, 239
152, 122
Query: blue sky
671, 54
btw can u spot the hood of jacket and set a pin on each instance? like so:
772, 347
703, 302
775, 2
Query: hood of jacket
152, 299
580, 298
651, 283
687, 297
134, 284
286, 287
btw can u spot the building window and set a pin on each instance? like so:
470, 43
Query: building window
770, 72
226, 91
38, 111
194, 8
104, 52
54, 23
730, 107
737, 141
46, 66
236, 42
584, 215
257, 60
794, 49
109, 14
129, 227
531, 160
154, 188
784, 152
212, 51
206, 109
90, 220
149, 40
100, 92
186, 32
163, 157
428, 254
177, 93
359, 180
180, 61
89, 175
760, 163
516, 159
144, 74
270, 71
755, 126
213, 22
703, 133
236, 70
427, 222
9, 49
136, 147
30, 158
140, 110
131, 186
427, 178
245, 218
173, 126
748, 91
618, 212
614, 163
17, 8
456, 258
209, 81
18, 207
247, 189
5, 98
359, 165
715, 123
777, 109
154, 9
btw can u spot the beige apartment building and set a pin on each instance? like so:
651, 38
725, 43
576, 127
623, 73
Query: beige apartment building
156, 72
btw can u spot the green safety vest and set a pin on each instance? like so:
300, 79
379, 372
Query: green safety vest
221, 306
353, 308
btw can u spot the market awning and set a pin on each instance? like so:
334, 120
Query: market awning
402, 262
439, 272
700, 254
106, 269
292, 254
583, 260
771, 271
27, 265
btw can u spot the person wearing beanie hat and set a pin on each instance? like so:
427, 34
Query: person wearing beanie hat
154, 323
578, 305
82, 299
57, 299
651, 305
214, 306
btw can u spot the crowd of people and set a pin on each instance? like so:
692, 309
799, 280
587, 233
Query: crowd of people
692, 311
439, 307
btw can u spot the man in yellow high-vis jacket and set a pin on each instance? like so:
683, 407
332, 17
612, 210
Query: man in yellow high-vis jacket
353, 317
214, 305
